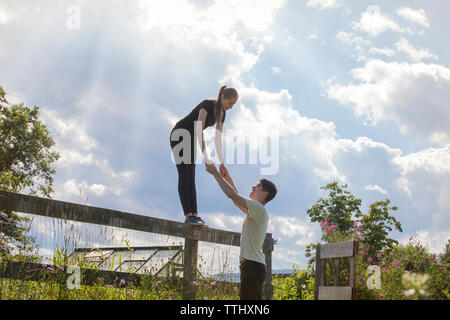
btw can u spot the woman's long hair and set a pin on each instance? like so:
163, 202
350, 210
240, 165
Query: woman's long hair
227, 92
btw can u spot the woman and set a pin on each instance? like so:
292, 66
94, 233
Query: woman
206, 114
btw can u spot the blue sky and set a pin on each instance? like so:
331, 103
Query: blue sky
358, 92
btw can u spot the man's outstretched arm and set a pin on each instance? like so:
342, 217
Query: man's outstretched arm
228, 179
230, 191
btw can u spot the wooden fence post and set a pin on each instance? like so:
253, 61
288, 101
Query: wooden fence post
268, 247
318, 273
190, 269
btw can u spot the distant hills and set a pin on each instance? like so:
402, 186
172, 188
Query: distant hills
235, 277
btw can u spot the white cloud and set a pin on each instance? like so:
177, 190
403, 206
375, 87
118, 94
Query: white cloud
425, 178
313, 35
375, 187
323, 4
292, 229
436, 160
223, 25
416, 55
382, 51
434, 241
218, 19
374, 23
415, 96
75, 146
4, 17
71, 188
276, 70
417, 16
262, 114
70, 130
224, 221
358, 43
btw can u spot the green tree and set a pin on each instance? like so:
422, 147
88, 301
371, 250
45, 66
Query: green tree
376, 225
341, 219
26, 162
339, 208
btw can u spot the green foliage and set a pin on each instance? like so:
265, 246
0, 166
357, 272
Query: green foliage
341, 219
376, 225
26, 163
296, 286
339, 207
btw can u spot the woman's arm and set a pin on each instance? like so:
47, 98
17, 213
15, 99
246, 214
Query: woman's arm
200, 125
218, 141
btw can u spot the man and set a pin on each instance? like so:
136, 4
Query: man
254, 229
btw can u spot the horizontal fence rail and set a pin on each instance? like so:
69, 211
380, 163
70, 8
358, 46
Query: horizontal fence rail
88, 214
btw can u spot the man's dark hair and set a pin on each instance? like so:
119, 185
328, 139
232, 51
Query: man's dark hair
269, 187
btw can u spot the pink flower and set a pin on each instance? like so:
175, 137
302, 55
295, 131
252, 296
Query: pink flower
355, 223
236, 288
324, 223
213, 283
381, 295
122, 282
359, 229
370, 259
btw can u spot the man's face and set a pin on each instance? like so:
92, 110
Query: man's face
257, 192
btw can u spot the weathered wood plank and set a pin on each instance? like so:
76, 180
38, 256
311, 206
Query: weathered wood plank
89, 214
337, 249
268, 247
335, 293
190, 269
317, 273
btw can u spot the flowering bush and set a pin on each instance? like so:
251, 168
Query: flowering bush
407, 272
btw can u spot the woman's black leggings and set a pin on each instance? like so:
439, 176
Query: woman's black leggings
186, 182
186, 187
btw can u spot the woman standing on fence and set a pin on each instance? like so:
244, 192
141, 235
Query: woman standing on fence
190, 131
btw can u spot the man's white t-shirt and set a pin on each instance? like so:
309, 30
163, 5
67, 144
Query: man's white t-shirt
254, 232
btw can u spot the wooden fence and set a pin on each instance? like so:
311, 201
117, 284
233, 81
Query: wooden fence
192, 234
